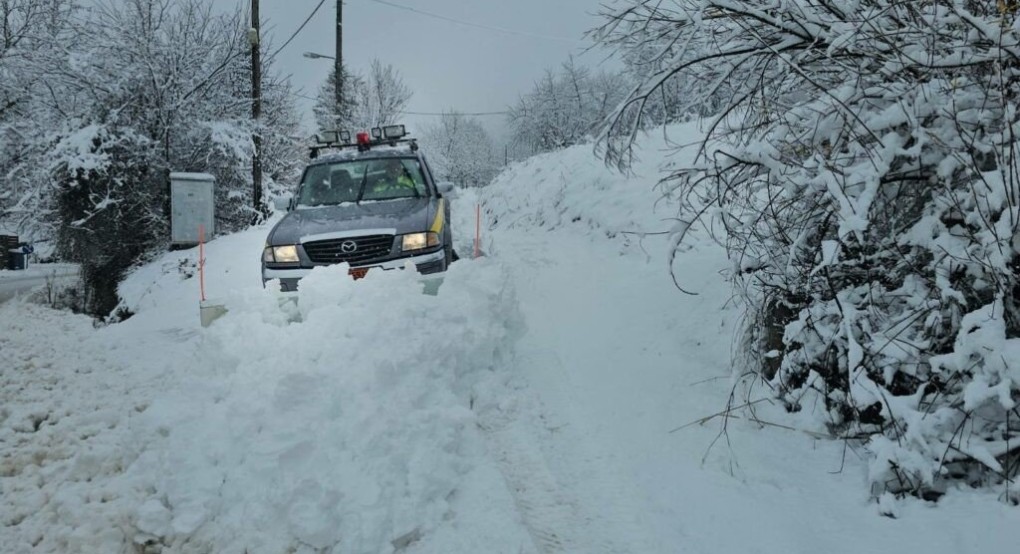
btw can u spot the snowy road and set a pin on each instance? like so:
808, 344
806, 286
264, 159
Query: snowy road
13, 283
609, 350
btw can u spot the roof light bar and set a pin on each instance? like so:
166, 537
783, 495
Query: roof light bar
364, 140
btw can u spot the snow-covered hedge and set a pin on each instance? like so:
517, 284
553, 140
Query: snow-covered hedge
868, 184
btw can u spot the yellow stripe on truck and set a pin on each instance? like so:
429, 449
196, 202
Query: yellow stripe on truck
437, 224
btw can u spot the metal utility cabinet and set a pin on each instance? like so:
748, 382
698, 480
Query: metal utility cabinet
192, 205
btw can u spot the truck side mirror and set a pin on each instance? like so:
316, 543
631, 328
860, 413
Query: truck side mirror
445, 187
284, 203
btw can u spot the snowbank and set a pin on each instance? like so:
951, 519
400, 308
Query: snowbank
574, 188
340, 420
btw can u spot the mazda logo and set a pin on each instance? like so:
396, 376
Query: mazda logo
348, 246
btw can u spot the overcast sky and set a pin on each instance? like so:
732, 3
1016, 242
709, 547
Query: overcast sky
447, 65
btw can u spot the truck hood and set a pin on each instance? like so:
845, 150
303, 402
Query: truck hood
411, 215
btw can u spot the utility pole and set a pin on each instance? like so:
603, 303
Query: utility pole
256, 110
339, 84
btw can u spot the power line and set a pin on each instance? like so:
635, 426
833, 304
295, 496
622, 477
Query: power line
299, 29
477, 25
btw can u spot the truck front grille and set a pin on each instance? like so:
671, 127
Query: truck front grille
366, 249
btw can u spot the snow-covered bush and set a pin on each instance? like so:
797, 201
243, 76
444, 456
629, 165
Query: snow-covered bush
864, 173
110, 202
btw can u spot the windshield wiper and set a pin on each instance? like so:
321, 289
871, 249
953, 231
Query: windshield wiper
361, 190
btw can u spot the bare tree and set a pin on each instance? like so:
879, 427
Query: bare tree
384, 96
35, 35
376, 99
461, 150
565, 108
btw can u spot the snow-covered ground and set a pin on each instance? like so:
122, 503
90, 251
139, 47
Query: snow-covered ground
528, 407
346, 419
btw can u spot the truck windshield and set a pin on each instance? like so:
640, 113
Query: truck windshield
362, 180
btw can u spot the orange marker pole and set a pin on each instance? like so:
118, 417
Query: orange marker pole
201, 260
478, 228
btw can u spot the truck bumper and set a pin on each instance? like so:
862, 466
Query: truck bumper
425, 264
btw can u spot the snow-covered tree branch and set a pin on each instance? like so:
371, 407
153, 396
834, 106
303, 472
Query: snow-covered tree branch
863, 167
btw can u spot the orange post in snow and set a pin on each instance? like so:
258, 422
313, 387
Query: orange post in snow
478, 229
201, 261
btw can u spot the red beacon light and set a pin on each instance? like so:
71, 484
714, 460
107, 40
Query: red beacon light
363, 138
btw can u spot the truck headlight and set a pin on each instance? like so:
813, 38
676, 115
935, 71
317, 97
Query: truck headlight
280, 254
419, 241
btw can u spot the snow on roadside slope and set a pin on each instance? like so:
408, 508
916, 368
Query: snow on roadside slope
615, 359
342, 423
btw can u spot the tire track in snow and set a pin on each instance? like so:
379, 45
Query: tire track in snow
554, 516
570, 489
548, 514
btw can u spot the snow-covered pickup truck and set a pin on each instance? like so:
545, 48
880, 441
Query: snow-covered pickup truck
372, 203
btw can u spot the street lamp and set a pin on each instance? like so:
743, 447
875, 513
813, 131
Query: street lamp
314, 56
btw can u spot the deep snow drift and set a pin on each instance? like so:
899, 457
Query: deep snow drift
344, 419
531, 406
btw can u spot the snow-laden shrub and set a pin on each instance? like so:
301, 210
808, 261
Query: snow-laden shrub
111, 204
864, 173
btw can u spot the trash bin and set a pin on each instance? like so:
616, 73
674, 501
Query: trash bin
16, 259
